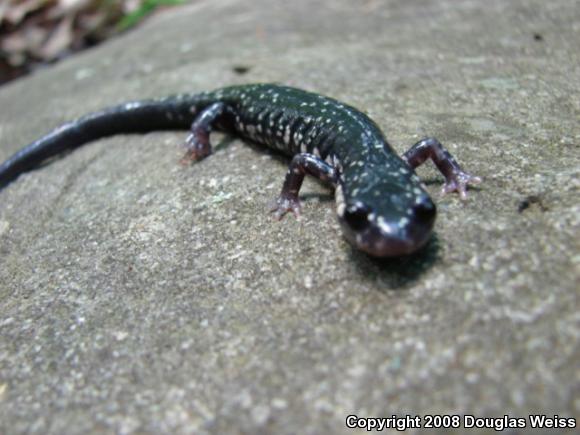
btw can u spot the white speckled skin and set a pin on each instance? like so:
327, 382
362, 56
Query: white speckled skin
381, 203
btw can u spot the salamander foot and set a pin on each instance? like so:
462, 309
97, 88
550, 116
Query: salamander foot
285, 204
458, 181
197, 143
197, 148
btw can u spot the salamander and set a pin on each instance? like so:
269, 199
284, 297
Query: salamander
382, 206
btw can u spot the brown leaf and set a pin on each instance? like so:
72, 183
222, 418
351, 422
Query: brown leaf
3, 11
17, 10
18, 45
68, 7
59, 40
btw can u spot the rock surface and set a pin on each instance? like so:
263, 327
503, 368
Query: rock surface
137, 296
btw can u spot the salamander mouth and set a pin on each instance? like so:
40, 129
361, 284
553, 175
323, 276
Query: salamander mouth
377, 244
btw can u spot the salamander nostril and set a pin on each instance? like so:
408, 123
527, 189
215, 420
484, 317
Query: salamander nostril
425, 211
357, 217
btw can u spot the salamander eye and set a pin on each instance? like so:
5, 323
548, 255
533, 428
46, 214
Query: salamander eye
357, 216
425, 211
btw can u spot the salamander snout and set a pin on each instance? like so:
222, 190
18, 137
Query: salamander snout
389, 232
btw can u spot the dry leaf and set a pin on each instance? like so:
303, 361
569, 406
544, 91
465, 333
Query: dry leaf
40, 31
3, 10
67, 7
59, 41
17, 10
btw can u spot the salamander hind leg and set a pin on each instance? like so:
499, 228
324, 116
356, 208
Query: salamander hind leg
197, 144
456, 179
301, 165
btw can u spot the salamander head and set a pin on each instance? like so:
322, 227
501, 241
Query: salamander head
387, 218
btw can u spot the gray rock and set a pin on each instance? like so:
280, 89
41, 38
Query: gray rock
138, 296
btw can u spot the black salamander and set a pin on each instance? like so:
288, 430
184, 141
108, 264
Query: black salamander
382, 206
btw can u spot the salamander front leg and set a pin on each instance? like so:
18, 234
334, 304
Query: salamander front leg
456, 179
301, 165
197, 143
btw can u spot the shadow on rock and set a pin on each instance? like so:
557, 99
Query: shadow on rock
397, 273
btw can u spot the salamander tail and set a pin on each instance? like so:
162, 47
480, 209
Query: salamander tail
173, 113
